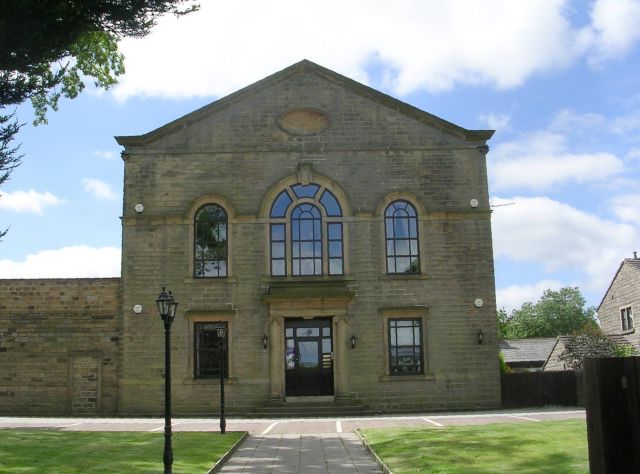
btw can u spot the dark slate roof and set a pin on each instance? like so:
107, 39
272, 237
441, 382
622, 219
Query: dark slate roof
534, 349
633, 263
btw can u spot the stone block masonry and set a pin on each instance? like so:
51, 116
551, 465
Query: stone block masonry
59, 343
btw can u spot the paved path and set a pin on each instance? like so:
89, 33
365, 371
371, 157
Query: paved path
335, 453
297, 445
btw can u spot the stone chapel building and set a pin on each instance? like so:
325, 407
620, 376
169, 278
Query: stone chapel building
341, 237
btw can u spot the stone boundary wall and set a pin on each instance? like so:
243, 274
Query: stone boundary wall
59, 343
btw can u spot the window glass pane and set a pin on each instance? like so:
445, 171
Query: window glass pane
391, 265
301, 190
306, 267
290, 342
400, 228
288, 332
277, 268
335, 231
330, 204
405, 336
326, 346
277, 250
326, 332
306, 230
402, 247
335, 249
295, 247
389, 228
413, 228
403, 264
306, 249
308, 355
414, 247
222, 268
318, 266
280, 205
317, 248
277, 231
307, 332
335, 266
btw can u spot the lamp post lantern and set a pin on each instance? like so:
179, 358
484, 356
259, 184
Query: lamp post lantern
167, 309
221, 340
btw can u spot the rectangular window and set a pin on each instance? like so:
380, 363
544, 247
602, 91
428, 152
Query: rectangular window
405, 346
207, 350
626, 318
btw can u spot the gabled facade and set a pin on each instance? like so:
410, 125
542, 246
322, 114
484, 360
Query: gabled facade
341, 237
621, 303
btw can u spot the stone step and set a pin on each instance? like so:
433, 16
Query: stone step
313, 407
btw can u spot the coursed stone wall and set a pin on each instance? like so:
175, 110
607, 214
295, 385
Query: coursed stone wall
371, 152
623, 293
59, 341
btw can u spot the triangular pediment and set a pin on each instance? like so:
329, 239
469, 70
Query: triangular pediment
306, 103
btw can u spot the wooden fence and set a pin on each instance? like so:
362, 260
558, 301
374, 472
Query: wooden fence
538, 389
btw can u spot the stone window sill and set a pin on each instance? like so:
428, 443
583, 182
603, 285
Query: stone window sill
407, 378
400, 276
209, 381
209, 280
628, 331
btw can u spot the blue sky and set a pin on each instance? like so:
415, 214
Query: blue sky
558, 80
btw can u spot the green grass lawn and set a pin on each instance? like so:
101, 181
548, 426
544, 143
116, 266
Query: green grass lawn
61, 452
556, 447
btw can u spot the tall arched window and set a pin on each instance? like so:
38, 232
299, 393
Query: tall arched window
210, 242
401, 237
306, 232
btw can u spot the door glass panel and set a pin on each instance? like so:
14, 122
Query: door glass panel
308, 354
308, 332
326, 346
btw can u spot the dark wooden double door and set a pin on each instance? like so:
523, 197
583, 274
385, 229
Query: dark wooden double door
308, 357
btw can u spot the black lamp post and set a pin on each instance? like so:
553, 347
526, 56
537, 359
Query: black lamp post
167, 309
221, 340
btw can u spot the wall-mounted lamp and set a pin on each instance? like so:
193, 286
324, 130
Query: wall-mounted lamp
353, 341
480, 335
265, 341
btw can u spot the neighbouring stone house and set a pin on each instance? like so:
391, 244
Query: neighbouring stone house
621, 301
615, 312
340, 236
526, 355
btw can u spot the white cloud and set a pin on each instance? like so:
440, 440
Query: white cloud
433, 45
561, 237
514, 296
633, 154
105, 154
541, 160
626, 123
569, 121
615, 27
78, 261
627, 207
498, 122
28, 201
98, 188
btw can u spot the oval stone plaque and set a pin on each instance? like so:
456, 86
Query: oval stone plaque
303, 121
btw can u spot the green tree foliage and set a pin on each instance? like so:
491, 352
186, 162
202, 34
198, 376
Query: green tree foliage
591, 342
49, 48
556, 313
